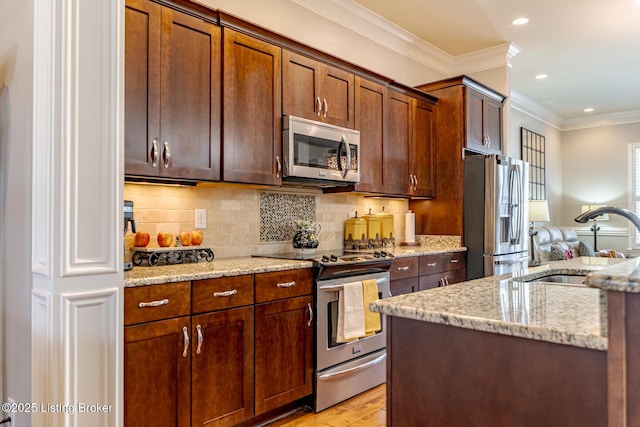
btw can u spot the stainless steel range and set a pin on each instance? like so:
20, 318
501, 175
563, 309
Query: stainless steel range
343, 370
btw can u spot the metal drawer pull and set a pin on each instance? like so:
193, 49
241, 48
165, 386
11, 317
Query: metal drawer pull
225, 293
153, 303
432, 264
454, 260
310, 314
185, 333
354, 369
200, 339
286, 285
405, 268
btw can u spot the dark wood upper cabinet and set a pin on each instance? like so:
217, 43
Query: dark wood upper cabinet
172, 94
252, 141
317, 91
370, 119
468, 117
423, 150
397, 146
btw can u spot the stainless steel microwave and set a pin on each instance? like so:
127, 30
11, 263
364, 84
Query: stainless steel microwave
319, 153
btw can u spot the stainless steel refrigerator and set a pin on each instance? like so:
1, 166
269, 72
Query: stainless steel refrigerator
495, 215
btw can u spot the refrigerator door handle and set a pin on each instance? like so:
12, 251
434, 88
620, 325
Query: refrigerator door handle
512, 261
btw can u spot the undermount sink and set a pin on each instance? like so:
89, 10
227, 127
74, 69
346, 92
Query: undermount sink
557, 279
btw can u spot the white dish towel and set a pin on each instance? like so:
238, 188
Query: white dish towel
350, 312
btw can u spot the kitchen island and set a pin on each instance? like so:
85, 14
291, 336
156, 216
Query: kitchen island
500, 352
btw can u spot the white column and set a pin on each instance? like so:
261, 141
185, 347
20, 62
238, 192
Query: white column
77, 212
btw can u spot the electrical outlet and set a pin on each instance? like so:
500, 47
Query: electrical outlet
201, 218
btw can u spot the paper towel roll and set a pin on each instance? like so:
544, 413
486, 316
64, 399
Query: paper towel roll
410, 227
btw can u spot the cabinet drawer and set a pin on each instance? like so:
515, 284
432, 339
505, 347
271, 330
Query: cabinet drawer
403, 268
222, 293
404, 286
442, 279
156, 302
438, 263
283, 284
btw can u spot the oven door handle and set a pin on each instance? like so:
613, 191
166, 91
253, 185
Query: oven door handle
354, 369
334, 288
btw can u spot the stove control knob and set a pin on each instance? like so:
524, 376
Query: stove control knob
376, 254
333, 258
384, 254
325, 258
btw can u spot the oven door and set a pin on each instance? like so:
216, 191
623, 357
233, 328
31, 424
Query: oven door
330, 352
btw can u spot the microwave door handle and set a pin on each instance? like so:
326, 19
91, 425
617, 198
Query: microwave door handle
345, 141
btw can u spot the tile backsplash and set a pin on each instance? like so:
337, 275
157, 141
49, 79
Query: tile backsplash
235, 225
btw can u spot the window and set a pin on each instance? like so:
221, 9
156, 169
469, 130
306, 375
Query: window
634, 193
533, 151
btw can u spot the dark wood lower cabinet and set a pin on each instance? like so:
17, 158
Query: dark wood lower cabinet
442, 279
284, 352
442, 375
222, 367
157, 374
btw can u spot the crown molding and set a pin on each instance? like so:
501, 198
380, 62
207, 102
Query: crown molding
536, 110
363, 21
600, 120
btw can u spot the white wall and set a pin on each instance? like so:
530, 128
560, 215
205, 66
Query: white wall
595, 169
554, 157
16, 78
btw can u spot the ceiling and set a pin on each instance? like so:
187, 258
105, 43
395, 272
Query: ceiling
590, 49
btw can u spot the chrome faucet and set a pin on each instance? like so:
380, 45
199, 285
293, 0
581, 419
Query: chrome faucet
586, 216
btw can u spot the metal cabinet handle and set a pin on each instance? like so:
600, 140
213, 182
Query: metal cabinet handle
446, 281
415, 178
310, 314
319, 103
153, 303
454, 260
286, 285
278, 167
326, 106
405, 268
200, 339
225, 293
432, 264
166, 154
185, 333
154, 152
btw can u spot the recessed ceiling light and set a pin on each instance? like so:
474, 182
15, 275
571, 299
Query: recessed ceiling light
520, 21
588, 110
541, 76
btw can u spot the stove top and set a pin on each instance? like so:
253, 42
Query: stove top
341, 263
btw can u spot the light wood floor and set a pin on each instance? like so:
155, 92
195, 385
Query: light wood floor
366, 409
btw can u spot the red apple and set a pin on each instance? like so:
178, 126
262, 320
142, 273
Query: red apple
141, 239
185, 238
165, 239
197, 237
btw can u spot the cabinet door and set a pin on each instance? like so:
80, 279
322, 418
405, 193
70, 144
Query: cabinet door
404, 286
422, 156
493, 125
371, 102
142, 87
338, 94
397, 145
284, 352
157, 374
475, 131
301, 82
442, 279
222, 372
190, 97
252, 142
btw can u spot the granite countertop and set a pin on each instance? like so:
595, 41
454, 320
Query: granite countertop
563, 314
623, 277
144, 275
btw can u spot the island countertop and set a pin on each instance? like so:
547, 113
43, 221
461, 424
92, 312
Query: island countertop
571, 315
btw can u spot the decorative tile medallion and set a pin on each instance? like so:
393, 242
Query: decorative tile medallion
278, 211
